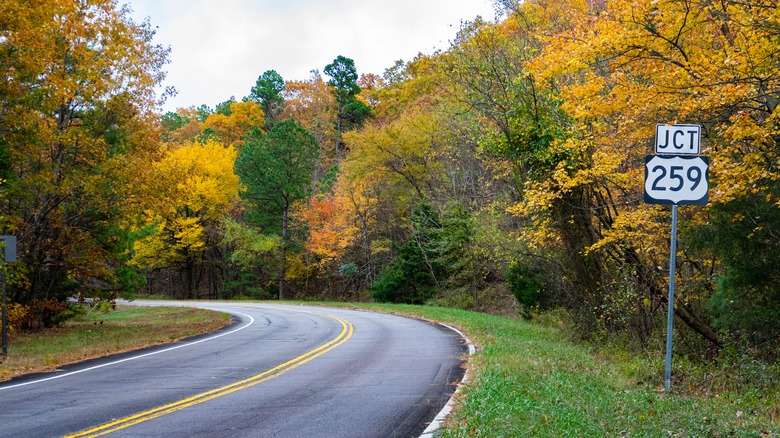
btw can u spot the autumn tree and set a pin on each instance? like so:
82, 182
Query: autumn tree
190, 191
313, 106
618, 71
276, 171
234, 123
183, 126
75, 110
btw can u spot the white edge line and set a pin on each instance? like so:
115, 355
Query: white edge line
210, 338
447, 409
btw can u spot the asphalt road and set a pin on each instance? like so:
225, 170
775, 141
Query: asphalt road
280, 371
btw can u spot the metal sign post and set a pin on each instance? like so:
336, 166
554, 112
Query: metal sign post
677, 175
670, 307
9, 255
5, 316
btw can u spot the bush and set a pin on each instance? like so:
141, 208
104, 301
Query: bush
406, 280
742, 233
522, 284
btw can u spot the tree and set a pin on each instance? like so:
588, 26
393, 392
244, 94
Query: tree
225, 107
312, 104
190, 191
76, 111
619, 71
249, 253
344, 78
276, 172
746, 299
235, 122
351, 112
268, 93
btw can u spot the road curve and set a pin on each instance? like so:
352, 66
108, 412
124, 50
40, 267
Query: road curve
280, 371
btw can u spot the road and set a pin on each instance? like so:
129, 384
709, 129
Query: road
280, 371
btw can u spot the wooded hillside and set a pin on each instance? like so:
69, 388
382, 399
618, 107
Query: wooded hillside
504, 174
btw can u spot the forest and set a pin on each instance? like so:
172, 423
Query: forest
502, 175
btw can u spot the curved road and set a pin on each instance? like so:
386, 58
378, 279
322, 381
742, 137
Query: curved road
280, 371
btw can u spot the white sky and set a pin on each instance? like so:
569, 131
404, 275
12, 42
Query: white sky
220, 47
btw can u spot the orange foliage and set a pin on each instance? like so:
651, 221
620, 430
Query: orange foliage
330, 231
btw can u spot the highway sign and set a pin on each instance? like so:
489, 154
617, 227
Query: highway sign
678, 180
677, 139
9, 249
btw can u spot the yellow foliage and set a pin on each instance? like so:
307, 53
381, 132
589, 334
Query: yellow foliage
192, 188
621, 68
230, 130
313, 106
200, 178
401, 154
16, 313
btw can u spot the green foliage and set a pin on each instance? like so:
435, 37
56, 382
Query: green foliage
129, 280
348, 270
244, 287
436, 256
268, 92
407, 279
247, 246
528, 142
276, 171
354, 114
343, 78
351, 112
454, 250
326, 183
524, 284
203, 112
747, 298
224, 107
172, 121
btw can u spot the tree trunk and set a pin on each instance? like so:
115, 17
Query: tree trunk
284, 252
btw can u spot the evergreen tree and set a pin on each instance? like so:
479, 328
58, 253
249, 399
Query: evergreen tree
351, 112
276, 172
268, 93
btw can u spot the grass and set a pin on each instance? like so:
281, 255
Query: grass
526, 379
96, 335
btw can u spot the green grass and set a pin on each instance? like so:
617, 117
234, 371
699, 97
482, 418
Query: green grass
96, 335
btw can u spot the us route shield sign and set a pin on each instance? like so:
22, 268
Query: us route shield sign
676, 179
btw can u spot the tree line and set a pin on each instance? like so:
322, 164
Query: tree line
503, 174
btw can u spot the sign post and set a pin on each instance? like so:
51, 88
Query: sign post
9, 255
670, 305
676, 175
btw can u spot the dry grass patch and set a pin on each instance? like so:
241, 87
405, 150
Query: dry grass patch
97, 335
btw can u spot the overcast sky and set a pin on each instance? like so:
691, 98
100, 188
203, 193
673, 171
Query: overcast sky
220, 47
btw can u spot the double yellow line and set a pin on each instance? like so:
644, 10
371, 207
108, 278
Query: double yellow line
113, 426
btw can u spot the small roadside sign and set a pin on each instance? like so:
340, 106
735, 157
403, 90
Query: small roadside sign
677, 139
9, 250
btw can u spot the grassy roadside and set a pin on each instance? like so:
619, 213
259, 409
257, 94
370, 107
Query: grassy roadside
96, 335
527, 379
